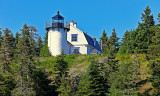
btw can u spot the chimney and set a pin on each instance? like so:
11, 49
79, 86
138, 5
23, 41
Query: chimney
94, 39
71, 22
75, 24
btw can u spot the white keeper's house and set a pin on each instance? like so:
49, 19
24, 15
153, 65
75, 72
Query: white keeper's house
69, 38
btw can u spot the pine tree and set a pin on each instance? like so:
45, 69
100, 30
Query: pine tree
6, 50
113, 44
7, 83
147, 19
108, 66
66, 88
39, 46
91, 82
44, 52
154, 47
104, 37
60, 68
123, 81
125, 47
158, 19
46, 38
128, 42
155, 78
103, 41
17, 38
25, 84
42, 84
0, 37
144, 34
32, 37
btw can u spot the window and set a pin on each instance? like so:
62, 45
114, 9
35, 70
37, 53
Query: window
74, 37
76, 50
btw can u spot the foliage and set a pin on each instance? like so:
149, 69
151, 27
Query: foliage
0, 37
44, 52
41, 83
123, 81
103, 41
91, 82
155, 78
113, 44
66, 88
6, 50
6, 84
39, 46
26, 63
29, 70
60, 68
144, 39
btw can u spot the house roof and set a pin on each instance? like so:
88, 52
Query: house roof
69, 43
91, 42
58, 16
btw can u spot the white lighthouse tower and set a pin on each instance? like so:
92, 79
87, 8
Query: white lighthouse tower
57, 35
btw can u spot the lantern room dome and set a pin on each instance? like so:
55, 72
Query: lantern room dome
58, 16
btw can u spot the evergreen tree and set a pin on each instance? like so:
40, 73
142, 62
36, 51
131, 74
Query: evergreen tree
0, 37
108, 66
42, 84
139, 40
44, 52
46, 38
66, 88
128, 42
6, 50
113, 44
91, 82
154, 47
125, 47
17, 38
144, 34
158, 19
25, 84
39, 46
147, 19
60, 68
7, 84
32, 37
123, 82
103, 41
155, 78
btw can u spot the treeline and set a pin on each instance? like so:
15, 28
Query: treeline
145, 39
19, 75
119, 71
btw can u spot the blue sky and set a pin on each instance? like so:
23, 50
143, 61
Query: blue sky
92, 16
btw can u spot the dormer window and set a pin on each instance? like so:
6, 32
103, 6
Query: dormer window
74, 37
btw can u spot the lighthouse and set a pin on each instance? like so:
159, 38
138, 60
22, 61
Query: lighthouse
57, 35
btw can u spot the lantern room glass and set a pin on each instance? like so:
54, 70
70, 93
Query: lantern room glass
58, 20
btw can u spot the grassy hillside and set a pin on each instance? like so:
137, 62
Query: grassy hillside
76, 63
79, 63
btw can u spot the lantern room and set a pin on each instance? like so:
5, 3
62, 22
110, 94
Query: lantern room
58, 21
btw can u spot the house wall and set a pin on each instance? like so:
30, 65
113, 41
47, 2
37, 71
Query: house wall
81, 37
81, 40
82, 49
